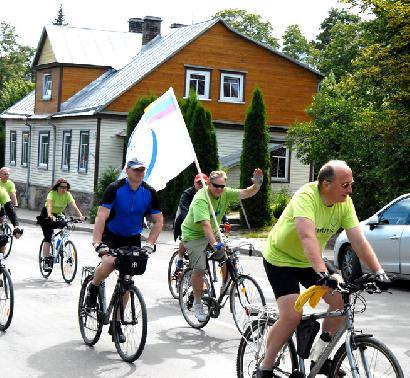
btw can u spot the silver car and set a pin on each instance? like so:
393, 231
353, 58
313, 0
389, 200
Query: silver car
388, 231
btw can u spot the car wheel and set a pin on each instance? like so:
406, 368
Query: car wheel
350, 265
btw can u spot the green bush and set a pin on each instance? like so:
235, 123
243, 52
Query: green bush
279, 201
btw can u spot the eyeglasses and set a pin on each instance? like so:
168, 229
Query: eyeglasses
346, 185
217, 186
63, 186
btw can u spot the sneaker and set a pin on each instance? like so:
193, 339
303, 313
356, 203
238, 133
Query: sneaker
91, 298
259, 373
48, 264
179, 264
121, 336
326, 367
199, 312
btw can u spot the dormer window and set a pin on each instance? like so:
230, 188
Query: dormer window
47, 85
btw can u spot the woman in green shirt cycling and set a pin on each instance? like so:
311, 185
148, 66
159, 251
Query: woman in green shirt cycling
58, 199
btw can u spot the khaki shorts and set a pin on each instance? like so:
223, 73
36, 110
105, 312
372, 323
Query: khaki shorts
197, 253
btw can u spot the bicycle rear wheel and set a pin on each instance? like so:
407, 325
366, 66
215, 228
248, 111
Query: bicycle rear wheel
6, 299
173, 277
42, 259
246, 293
252, 348
7, 248
89, 319
372, 357
186, 300
133, 312
68, 261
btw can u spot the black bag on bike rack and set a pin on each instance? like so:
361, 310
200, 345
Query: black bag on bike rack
131, 260
305, 335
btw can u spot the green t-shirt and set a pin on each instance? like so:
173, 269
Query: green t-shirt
59, 201
199, 211
8, 185
4, 196
283, 247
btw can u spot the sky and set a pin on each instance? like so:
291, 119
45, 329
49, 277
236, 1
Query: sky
29, 16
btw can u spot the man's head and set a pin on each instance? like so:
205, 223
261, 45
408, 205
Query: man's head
135, 170
4, 174
217, 183
335, 181
198, 182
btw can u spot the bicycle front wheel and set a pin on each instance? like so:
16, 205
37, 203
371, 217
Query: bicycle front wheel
6, 299
89, 319
373, 359
252, 348
41, 260
133, 313
68, 261
173, 276
7, 247
245, 293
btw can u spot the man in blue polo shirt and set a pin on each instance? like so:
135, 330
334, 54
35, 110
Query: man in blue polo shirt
119, 220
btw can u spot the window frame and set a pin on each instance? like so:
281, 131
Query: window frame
25, 148
40, 163
66, 133
81, 169
13, 147
197, 71
237, 75
46, 92
286, 178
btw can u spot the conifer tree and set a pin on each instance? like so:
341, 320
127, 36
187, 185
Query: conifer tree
255, 154
59, 20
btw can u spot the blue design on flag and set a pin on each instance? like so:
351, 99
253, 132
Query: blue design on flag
153, 155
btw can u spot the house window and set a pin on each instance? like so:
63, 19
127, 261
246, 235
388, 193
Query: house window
199, 81
83, 151
279, 158
24, 148
43, 148
65, 160
47, 85
13, 145
231, 87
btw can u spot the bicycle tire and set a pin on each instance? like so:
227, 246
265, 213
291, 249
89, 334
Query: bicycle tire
133, 324
387, 365
68, 261
186, 300
7, 247
6, 299
245, 293
251, 352
173, 280
41, 259
90, 320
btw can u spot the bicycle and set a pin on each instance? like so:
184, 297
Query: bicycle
5, 229
244, 293
127, 305
360, 354
63, 251
6, 297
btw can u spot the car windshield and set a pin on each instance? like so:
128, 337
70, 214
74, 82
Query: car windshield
398, 213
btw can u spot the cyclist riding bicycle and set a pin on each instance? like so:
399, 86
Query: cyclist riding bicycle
7, 184
58, 198
7, 207
119, 223
293, 253
198, 230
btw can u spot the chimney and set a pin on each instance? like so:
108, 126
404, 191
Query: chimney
151, 28
135, 25
175, 25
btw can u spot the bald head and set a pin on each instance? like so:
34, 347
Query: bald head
331, 169
4, 174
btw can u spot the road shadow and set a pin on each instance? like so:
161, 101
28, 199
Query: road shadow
39, 283
74, 359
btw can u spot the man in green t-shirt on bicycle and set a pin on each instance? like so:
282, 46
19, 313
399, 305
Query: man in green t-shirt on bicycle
198, 229
7, 184
293, 253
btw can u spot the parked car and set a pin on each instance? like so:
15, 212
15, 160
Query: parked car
388, 231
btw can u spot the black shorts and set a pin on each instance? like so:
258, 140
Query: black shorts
285, 279
116, 241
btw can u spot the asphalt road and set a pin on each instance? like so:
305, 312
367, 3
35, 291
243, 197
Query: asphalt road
44, 338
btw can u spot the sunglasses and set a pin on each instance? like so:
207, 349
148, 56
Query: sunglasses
345, 185
63, 186
217, 186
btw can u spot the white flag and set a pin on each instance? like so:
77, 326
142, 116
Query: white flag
161, 141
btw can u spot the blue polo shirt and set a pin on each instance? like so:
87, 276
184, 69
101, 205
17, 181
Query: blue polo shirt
128, 207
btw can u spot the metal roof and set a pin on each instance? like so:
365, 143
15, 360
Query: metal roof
21, 109
89, 46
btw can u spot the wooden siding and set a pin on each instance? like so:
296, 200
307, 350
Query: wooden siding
229, 141
288, 88
47, 55
47, 106
76, 78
